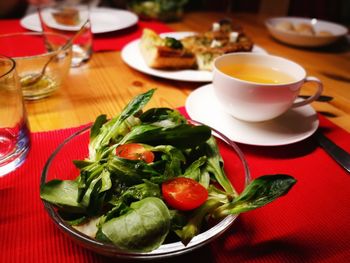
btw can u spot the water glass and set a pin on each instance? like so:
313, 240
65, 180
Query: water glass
67, 17
14, 131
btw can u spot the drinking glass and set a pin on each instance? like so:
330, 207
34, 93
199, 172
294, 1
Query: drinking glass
67, 17
14, 131
33, 57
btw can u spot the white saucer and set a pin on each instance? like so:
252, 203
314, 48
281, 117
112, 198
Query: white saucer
131, 55
103, 20
293, 126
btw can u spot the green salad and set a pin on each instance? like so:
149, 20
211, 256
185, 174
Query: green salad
150, 175
165, 10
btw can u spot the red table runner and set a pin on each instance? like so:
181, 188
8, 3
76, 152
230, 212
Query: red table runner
101, 42
310, 224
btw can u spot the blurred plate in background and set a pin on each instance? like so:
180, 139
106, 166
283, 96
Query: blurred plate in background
304, 32
103, 20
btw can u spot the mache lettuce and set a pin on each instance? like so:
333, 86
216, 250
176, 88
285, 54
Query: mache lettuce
122, 199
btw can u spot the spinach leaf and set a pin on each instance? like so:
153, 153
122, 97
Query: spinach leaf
163, 117
118, 209
258, 193
143, 228
63, 194
137, 133
131, 194
182, 136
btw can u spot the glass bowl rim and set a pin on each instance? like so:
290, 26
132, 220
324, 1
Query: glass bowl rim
45, 54
165, 250
11, 67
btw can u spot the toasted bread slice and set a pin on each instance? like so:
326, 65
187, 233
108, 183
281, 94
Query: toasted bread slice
165, 53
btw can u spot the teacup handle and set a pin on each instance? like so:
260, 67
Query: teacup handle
313, 97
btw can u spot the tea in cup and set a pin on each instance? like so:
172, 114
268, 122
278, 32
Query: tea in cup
259, 87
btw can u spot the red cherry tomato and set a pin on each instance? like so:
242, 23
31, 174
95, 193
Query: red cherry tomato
184, 193
134, 151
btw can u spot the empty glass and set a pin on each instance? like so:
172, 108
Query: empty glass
67, 17
31, 58
14, 132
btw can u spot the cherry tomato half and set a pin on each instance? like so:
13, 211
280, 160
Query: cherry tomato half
134, 151
184, 193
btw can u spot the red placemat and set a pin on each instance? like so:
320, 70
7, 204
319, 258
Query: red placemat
102, 42
310, 224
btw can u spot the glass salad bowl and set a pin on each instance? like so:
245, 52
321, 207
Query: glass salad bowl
60, 166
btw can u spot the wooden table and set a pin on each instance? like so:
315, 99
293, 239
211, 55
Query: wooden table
106, 84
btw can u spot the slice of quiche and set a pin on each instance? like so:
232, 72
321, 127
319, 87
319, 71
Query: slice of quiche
165, 53
223, 38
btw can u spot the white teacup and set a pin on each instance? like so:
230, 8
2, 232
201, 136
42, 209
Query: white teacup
258, 87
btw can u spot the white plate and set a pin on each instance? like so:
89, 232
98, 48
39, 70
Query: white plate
131, 55
293, 126
102, 20
297, 39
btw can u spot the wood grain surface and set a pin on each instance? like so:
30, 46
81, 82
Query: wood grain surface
105, 84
